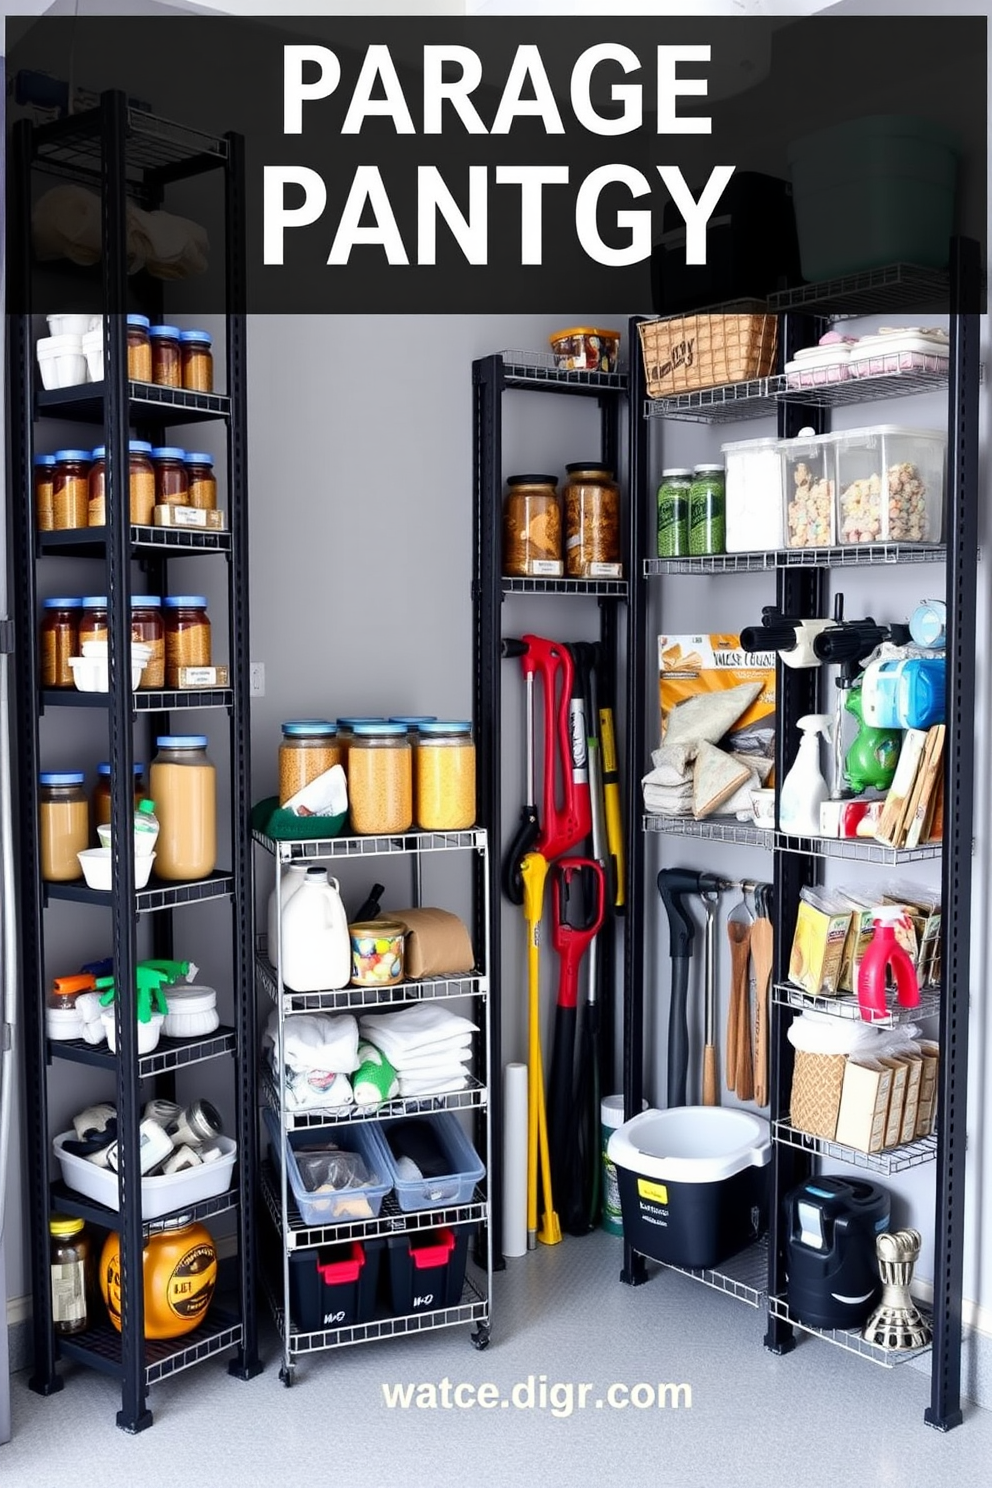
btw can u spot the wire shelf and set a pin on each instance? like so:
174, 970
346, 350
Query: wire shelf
144, 702
150, 403
892, 1160
214, 886
168, 1054
714, 563
851, 1339
720, 405
744, 1276
100, 1347
894, 287
392, 1220
845, 1005
65, 1200
354, 999
91, 542
75, 144
851, 391
584, 588
475, 1095
855, 555
865, 850
530, 369
727, 830
371, 847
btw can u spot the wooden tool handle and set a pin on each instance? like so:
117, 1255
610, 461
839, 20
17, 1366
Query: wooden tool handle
739, 935
744, 1079
762, 950
710, 1077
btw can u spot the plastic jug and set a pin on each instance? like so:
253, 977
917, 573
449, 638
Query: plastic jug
292, 877
316, 945
906, 693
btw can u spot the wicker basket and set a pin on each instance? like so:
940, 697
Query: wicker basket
817, 1081
689, 352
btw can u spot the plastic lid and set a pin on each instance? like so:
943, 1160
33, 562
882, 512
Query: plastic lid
369, 730
317, 875
147, 808
190, 999
168, 452
73, 454
589, 465
164, 330
198, 458
412, 720
680, 471
352, 722
94, 602
103, 768
303, 727
531, 480
707, 470
185, 602
582, 331
61, 777
204, 336
135, 447
46, 460
100, 453
181, 741
60, 1226
145, 601
448, 726
62, 604
139, 320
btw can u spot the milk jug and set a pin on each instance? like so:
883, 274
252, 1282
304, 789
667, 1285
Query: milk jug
316, 946
292, 877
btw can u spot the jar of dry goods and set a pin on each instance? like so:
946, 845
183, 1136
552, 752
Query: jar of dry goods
380, 778
93, 623
59, 637
139, 349
592, 522
141, 484
202, 482
445, 776
44, 479
71, 1267
171, 480
532, 527
309, 747
100, 802
183, 785
167, 369
70, 489
64, 824
673, 513
346, 731
187, 635
708, 510
148, 626
198, 361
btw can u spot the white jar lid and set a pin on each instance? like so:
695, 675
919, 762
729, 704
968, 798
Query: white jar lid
190, 999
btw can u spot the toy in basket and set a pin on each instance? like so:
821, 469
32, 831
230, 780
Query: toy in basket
687, 352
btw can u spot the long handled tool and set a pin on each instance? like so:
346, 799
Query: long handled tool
534, 871
529, 828
740, 1068
762, 950
711, 1072
674, 884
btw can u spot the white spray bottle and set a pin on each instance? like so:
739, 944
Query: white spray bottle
804, 788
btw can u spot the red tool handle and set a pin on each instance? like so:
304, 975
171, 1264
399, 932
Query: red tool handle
570, 940
565, 763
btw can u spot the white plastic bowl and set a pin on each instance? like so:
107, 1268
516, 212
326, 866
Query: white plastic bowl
62, 361
92, 344
63, 1023
97, 870
148, 1033
71, 325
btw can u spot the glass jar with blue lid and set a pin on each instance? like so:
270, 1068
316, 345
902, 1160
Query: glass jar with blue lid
380, 778
346, 729
198, 361
167, 368
183, 785
44, 488
445, 776
64, 824
171, 476
139, 349
309, 747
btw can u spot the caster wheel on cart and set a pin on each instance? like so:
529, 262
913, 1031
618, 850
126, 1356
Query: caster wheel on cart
287, 1375
480, 1339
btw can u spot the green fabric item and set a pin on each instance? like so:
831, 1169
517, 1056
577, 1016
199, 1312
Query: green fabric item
282, 826
375, 1079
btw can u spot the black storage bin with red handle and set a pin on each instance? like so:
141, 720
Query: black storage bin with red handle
427, 1269
334, 1286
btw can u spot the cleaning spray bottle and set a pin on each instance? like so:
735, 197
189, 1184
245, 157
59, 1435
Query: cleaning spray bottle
804, 789
884, 951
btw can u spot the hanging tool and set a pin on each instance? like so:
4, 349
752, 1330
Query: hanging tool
612, 806
740, 1069
711, 1071
534, 871
762, 951
578, 904
674, 884
527, 832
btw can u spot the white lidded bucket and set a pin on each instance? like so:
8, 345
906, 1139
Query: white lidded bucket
61, 361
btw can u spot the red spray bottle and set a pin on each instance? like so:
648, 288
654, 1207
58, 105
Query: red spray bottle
885, 951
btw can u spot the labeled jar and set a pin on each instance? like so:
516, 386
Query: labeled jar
592, 522
148, 626
100, 802
198, 361
171, 480
139, 349
201, 481
179, 1275
71, 1266
93, 622
70, 489
141, 484
532, 527
167, 367
380, 779
59, 639
445, 776
309, 747
44, 487
707, 511
673, 513
183, 784
187, 634
64, 824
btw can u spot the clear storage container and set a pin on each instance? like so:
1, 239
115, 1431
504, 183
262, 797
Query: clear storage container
139, 349
148, 626
167, 369
183, 785
456, 1186
707, 511
202, 483
890, 484
380, 779
592, 522
346, 732
753, 495
532, 541
93, 623
141, 484
44, 482
187, 634
673, 513
171, 478
59, 639
198, 361
70, 489
64, 824
809, 486
445, 776
343, 1204
309, 747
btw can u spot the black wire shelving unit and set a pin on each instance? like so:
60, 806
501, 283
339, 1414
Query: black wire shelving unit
123, 153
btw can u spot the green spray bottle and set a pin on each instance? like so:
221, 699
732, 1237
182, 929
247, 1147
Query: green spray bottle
871, 761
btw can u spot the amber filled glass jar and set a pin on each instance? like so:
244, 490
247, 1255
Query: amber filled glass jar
44, 485
380, 778
309, 747
202, 481
198, 361
187, 634
141, 484
100, 802
148, 626
532, 527
179, 1275
445, 776
171, 480
139, 349
93, 623
64, 824
346, 732
70, 489
592, 522
183, 785
167, 367
59, 639
71, 1263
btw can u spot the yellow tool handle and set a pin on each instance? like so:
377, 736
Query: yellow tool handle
611, 801
534, 872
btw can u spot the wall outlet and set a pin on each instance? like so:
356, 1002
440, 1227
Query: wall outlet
257, 673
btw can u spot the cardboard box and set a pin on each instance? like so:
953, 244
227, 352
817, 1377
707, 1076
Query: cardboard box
203, 676
864, 1104
856, 942
927, 1108
817, 1081
910, 1115
897, 1101
189, 516
817, 949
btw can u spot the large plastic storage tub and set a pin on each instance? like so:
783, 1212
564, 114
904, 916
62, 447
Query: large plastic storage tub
890, 484
166, 1193
754, 493
455, 1186
808, 491
334, 1286
873, 191
343, 1204
693, 1182
427, 1269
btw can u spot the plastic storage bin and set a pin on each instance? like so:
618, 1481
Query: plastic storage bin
809, 490
890, 484
167, 1194
347, 1203
427, 1269
754, 495
819, 366
873, 191
454, 1187
693, 1182
334, 1286
899, 352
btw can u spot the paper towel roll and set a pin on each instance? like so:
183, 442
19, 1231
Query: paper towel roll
515, 1160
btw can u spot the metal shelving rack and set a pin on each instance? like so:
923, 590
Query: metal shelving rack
288, 1227
800, 582
492, 377
121, 153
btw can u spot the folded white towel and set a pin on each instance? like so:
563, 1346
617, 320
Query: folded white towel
411, 1028
410, 1085
445, 1050
324, 1041
451, 1061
